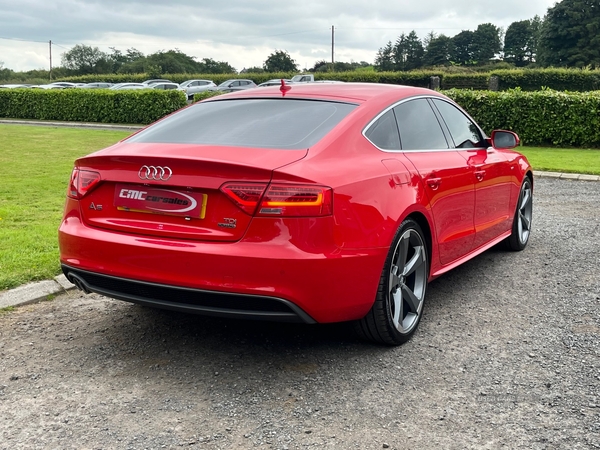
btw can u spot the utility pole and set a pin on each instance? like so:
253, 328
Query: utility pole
50, 47
332, 46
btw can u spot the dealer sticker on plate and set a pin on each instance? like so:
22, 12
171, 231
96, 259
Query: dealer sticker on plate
160, 201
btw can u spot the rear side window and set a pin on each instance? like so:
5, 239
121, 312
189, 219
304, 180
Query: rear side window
262, 123
384, 132
419, 127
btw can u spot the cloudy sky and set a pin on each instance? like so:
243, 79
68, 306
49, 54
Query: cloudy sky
240, 32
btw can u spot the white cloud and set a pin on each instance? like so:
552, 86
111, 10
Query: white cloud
240, 32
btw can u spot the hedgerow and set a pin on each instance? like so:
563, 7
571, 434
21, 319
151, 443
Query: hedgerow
526, 79
545, 117
90, 105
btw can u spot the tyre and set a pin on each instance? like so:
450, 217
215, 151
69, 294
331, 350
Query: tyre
521, 228
398, 305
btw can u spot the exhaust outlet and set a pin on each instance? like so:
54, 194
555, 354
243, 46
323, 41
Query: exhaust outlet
78, 282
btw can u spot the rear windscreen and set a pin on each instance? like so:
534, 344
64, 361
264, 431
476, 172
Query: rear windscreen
263, 123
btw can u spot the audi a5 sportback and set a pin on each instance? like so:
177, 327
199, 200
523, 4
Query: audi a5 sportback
313, 203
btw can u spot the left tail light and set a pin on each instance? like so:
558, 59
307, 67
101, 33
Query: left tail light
82, 182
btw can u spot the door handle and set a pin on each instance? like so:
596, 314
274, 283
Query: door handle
434, 183
479, 174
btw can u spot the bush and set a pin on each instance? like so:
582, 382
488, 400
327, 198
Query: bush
559, 79
544, 117
90, 105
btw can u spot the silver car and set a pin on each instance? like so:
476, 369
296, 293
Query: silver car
164, 86
234, 85
191, 87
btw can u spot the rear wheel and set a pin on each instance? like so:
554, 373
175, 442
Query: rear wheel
398, 306
521, 228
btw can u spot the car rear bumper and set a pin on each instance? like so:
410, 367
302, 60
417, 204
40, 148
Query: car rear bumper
273, 280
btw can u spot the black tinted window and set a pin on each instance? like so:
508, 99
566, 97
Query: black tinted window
419, 127
262, 123
463, 131
384, 132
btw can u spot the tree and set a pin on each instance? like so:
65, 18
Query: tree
408, 52
118, 58
520, 43
462, 48
570, 34
83, 59
208, 65
384, 61
280, 61
438, 51
486, 42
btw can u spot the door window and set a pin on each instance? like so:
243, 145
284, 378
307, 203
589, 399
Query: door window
419, 127
463, 131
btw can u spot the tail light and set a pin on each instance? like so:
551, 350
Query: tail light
82, 182
282, 200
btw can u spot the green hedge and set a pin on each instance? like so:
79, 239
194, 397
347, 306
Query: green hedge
90, 105
539, 118
558, 79
526, 79
544, 117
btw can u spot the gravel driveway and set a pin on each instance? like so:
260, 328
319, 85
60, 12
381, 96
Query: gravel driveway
507, 355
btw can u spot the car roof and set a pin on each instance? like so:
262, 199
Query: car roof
349, 92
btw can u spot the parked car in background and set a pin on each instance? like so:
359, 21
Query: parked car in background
234, 85
274, 82
97, 85
14, 86
56, 85
191, 87
314, 204
164, 86
120, 86
303, 78
157, 80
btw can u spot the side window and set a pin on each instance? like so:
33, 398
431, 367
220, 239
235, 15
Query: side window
463, 131
235, 83
384, 132
419, 127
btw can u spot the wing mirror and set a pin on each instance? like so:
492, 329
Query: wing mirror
504, 139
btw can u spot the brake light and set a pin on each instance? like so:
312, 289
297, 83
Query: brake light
284, 200
82, 182
245, 195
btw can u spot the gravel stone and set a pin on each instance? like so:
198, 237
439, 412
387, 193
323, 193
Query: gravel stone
507, 355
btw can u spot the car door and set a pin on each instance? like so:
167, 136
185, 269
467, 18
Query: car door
491, 172
446, 177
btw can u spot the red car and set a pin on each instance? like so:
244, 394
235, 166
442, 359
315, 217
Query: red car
313, 203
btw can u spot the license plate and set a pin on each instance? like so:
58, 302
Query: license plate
160, 201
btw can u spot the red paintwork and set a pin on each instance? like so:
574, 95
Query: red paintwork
328, 266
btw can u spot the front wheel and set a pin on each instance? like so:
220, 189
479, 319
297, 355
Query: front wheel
398, 306
521, 228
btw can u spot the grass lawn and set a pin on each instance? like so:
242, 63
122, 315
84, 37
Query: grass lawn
573, 160
35, 165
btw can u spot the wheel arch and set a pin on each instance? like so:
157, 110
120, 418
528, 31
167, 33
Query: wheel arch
426, 228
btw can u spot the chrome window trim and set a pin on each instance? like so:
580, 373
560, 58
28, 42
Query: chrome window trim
417, 97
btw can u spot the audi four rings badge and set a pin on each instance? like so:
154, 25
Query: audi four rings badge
157, 173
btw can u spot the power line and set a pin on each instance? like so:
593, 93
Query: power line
22, 40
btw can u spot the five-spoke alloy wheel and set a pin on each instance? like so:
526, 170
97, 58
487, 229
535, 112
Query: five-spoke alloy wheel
521, 228
399, 304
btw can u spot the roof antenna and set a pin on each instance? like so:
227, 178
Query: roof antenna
284, 87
